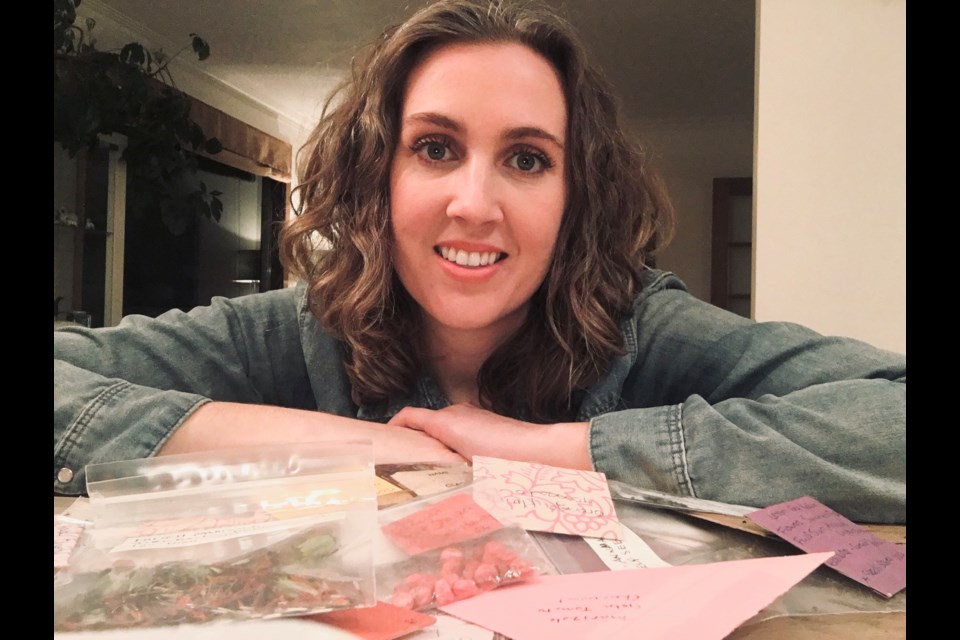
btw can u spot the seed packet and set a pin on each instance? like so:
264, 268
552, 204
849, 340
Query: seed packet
446, 547
236, 534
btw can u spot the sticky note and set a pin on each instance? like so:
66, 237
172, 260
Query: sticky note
812, 526
446, 522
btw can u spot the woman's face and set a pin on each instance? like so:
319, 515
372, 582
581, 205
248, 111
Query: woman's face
477, 186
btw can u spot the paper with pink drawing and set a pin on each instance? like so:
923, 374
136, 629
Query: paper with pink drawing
706, 601
538, 497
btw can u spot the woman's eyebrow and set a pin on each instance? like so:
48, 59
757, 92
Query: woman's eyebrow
433, 118
532, 132
517, 133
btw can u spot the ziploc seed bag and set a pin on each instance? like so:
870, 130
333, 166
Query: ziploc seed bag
446, 547
237, 534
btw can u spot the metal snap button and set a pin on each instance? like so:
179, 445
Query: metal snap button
65, 475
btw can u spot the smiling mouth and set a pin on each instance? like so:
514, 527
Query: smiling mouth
469, 258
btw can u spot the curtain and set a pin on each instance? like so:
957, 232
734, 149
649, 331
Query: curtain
244, 147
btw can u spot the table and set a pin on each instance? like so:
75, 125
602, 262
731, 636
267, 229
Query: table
824, 605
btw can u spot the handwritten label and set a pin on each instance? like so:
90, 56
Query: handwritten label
65, 537
629, 552
859, 554
449, 521
192, 537
543, 498
427, 482
381, 622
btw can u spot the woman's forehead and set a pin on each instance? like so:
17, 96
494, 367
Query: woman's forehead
507, 82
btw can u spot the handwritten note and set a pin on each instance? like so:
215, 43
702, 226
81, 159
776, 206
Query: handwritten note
381, 622
449, 521
427, 482
813, 526
629, 552
705, 601
538, 497
65, 537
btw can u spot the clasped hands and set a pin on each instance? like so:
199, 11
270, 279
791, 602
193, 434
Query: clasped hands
471, 431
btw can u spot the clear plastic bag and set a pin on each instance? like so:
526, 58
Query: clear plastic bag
238, 534
446, 547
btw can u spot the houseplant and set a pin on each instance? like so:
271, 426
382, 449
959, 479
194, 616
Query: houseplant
130, 91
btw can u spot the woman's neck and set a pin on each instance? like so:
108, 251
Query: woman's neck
455, 357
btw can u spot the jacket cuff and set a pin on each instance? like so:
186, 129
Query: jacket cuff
642, 447
124, 422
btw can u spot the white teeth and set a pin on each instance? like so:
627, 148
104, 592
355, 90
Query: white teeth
470, 259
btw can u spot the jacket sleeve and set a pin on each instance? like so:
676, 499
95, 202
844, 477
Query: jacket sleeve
720, 407
120, 392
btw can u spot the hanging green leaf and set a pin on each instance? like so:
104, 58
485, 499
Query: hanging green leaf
131, 92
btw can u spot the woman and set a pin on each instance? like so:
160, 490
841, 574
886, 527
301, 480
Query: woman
482, 289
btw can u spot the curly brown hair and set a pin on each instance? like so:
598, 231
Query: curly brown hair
617, 215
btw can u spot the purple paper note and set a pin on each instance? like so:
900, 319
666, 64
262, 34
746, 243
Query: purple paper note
859, 554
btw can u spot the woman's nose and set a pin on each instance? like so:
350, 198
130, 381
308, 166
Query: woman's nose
473, 196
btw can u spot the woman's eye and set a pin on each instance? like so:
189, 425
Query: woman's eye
433, 150
529, 162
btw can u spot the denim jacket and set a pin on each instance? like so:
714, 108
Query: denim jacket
702, 403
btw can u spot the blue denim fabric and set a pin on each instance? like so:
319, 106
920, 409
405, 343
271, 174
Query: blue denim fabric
703, 403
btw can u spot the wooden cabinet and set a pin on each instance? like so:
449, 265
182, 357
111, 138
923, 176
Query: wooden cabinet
88, 231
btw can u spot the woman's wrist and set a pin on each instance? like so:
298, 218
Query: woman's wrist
565, 444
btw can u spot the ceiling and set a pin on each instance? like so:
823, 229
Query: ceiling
669, 59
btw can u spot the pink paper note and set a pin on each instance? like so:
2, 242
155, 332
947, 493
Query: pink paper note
449, 521
704, 601
813, 526
381, 622
538, 497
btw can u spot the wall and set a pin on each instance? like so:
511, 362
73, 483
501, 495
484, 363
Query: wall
830, 169
690, 154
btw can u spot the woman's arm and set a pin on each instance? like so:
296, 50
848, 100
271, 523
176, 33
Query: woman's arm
146, 386
713, 405
221, 425
725, 408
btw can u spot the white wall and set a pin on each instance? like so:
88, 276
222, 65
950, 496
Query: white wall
690, 154
830, 170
